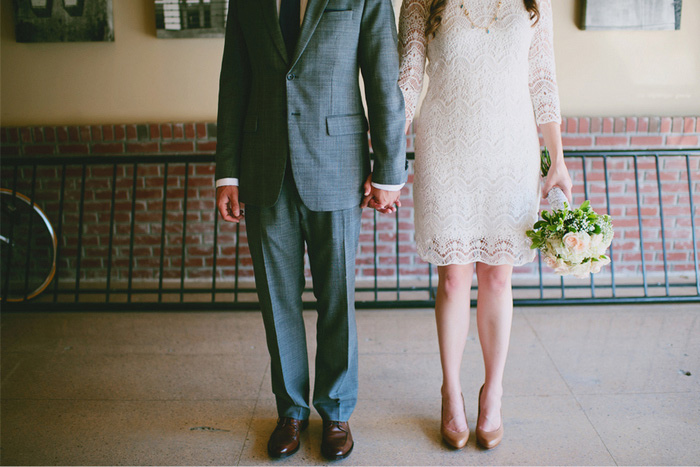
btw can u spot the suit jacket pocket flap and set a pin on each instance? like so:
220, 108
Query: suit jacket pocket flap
250, 125
333, 14
346, 124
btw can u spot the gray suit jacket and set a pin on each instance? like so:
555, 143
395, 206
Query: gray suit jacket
308, 106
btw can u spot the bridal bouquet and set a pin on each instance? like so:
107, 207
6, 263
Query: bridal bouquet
572, 241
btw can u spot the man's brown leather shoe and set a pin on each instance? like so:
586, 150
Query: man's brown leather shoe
284, 441
337, 440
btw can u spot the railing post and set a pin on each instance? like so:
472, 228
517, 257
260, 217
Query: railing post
80, 235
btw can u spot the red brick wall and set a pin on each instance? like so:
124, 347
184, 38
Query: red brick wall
109, 139
578, 133
630, 133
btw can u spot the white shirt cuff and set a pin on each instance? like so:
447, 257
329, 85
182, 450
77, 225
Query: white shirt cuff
227, 182
234, 182
379, 186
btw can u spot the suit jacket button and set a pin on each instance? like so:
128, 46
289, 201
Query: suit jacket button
290, 76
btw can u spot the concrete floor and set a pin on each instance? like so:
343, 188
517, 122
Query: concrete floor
584, 386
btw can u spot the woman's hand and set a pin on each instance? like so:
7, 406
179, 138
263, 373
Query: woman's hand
558, 176
367, 192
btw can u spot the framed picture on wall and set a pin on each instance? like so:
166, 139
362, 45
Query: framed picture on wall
645, 15
63, 20
190, 18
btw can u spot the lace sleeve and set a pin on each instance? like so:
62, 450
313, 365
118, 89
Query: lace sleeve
543, 80
412, 46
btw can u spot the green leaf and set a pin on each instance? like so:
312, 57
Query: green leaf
545, 162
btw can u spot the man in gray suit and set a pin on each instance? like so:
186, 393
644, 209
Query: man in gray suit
292, 147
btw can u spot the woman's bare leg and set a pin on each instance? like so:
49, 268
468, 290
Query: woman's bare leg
452, 318
494, 315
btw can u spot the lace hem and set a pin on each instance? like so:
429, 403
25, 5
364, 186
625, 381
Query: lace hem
460, 252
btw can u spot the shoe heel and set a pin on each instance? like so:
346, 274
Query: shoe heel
455, 439
487, 439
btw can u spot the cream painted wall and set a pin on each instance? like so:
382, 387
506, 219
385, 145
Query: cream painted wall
135, 79
628, 72
139, 78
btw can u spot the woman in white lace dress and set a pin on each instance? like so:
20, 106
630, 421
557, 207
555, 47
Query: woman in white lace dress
477, 187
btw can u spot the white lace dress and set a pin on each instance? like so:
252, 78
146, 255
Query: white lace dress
476, 182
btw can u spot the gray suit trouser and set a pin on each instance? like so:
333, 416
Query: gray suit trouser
276, 236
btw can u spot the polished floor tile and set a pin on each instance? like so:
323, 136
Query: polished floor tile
123, 333
583, 386
397, 332
648, 429
603, 350
79, 432
135, 377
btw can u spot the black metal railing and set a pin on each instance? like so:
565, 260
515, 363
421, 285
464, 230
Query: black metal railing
140, 232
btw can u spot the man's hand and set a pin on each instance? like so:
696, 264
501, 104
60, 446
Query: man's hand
227, 203
383, 201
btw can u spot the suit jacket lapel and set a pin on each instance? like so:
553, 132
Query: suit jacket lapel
314, 10
269, 12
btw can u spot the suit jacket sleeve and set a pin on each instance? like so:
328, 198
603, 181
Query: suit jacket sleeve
379, 62
234, 89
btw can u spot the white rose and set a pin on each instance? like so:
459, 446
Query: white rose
598, 245
551, 261
575, 246
577, 242
556, 246
561, 267
581, 271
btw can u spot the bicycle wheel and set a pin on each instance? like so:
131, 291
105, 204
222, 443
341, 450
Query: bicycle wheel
27, 248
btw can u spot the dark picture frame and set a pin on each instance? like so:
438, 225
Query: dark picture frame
63, 20
177, 19
643, 15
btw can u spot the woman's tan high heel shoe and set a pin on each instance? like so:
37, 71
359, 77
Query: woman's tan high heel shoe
455, 439
487, 439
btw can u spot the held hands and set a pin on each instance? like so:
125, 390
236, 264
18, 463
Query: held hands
383, 201
558, 175
227, 203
